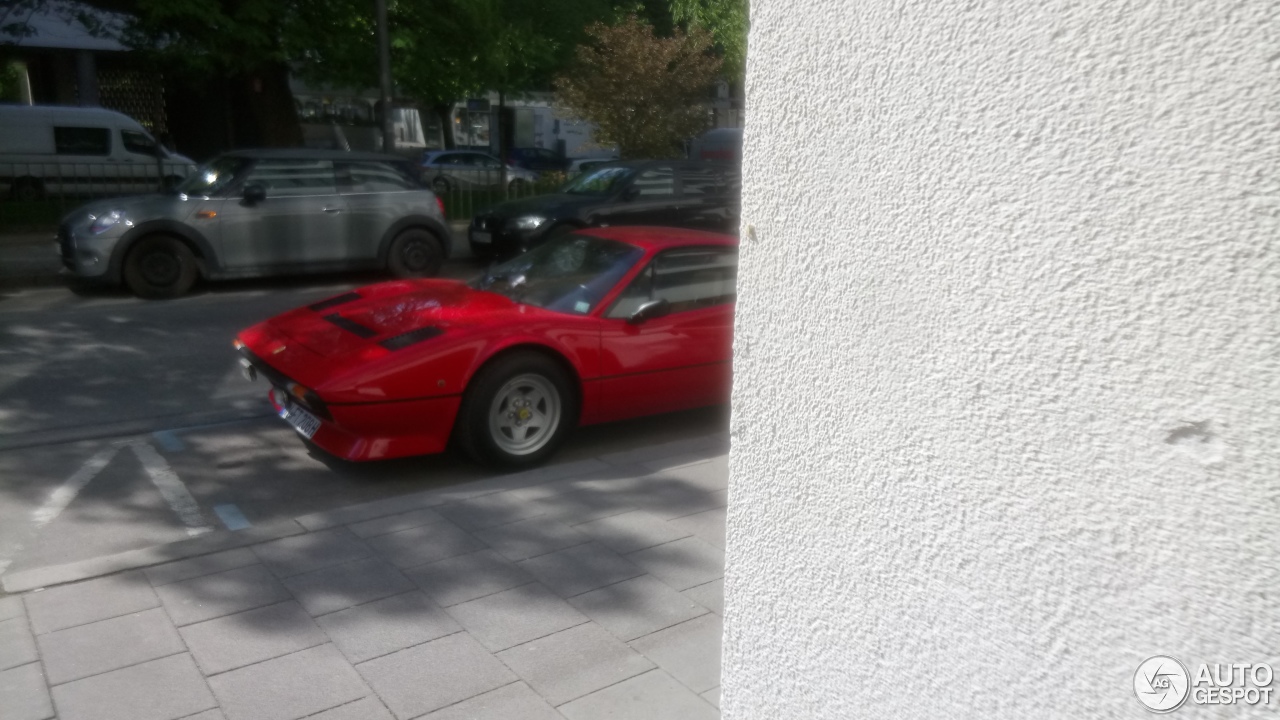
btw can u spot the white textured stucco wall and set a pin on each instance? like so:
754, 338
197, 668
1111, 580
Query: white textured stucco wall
1007, 401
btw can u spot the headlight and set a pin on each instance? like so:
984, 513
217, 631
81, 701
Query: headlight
531, 222
100, 224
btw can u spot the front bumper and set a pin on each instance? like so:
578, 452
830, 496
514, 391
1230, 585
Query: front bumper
502, 241
88, 257
369, 431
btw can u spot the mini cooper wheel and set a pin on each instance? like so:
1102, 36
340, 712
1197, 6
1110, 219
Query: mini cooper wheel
160, 267
517, 411
415, 253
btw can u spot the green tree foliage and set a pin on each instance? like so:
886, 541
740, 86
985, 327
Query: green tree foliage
644, 93
726, 20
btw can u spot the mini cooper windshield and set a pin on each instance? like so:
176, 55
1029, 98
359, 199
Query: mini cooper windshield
209, 179
571, 274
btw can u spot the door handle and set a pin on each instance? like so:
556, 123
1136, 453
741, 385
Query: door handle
332, 210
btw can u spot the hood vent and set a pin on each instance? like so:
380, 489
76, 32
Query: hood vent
334, 301
351, 326
412, 337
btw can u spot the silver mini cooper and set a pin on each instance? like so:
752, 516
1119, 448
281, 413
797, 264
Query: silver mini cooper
252, 213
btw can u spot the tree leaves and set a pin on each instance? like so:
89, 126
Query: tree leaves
644, 93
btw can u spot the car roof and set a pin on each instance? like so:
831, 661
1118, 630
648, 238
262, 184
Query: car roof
660, 238
311, 154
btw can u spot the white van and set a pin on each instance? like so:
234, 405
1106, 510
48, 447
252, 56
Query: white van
54, 150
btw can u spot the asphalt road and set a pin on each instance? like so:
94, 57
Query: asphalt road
125, 423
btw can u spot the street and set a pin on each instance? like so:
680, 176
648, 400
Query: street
126, 423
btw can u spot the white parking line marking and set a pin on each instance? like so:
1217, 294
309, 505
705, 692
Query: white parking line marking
58, 501
171, 488
231, 516
61, 497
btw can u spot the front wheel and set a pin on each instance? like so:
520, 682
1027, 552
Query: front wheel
160, 267
415, 253
517, 411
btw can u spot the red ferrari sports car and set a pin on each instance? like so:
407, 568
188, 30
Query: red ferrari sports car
598, 325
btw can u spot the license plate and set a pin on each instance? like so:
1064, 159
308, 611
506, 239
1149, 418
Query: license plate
481, 237
301, 420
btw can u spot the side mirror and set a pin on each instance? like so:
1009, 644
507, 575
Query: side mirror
254, 194
631, 193
649, 311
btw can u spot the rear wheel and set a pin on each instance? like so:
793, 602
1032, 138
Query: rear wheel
415, 253
517, 411
440, 185
160, 267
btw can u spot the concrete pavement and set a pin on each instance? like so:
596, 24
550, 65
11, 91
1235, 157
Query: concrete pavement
591, 589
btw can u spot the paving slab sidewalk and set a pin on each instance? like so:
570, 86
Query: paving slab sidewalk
497, 599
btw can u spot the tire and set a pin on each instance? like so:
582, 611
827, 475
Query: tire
415, 253
27, 189
159, 267
490, 427
441, 186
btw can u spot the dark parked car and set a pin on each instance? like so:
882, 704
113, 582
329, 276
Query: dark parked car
262, 212
671, 193
538, 160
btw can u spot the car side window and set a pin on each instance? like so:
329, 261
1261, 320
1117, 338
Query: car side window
136, 142
82, 141
687, 278
656, 181
372, 177
284, 178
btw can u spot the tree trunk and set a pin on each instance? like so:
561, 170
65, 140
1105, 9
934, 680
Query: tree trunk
445, 113
502, 145
263, 109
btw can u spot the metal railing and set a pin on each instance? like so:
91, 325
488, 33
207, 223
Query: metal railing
37, 194
466, 195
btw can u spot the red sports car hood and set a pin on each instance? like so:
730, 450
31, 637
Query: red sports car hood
404, 312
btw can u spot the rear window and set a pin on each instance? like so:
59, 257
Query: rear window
82, 140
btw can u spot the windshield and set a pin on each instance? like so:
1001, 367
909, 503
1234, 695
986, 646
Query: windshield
209, 179
571, 274
603, 181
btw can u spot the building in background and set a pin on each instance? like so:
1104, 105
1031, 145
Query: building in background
61, 63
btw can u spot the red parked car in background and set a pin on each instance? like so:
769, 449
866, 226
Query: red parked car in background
598, 325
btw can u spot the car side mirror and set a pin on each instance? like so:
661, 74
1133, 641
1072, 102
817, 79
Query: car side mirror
254, 194
649, 311
631, 193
